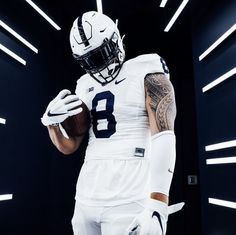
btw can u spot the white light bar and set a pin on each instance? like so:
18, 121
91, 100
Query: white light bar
46, 17
163, 3
175, 16
223, 160
219, 80
6, 197
223, 145
12, 54
99, 6
217, 42
15, 34
222, 203
2, 121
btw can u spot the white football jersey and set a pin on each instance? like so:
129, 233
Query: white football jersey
116, 161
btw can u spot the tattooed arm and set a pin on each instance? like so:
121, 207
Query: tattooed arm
160, 102
161, 108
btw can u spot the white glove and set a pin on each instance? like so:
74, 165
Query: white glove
153, 219
61, 107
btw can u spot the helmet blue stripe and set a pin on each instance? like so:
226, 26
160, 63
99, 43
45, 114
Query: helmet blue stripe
82, 33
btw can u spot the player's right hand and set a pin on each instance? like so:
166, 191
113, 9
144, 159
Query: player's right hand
61, 107
153, 219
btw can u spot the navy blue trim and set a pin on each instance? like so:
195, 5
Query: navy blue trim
82, 33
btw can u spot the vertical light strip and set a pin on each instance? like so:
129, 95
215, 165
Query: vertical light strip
218, 42
2, 121
46, 17
219, 80
175, 16
99, 6
6, 197
163, 3
220, 202
222, 145
222, 160
12, 54
15, 34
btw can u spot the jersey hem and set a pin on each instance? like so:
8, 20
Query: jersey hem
105, 203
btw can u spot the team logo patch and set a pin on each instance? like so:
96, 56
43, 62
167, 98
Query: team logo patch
139, 152
91, 89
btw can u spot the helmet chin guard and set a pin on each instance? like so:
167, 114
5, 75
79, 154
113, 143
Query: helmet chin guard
108, 74
97, 46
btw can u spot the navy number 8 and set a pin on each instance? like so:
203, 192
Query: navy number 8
104, 116
164, 66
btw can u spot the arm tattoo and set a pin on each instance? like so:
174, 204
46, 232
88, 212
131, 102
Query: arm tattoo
162, 100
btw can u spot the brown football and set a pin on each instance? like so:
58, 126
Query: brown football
78, 124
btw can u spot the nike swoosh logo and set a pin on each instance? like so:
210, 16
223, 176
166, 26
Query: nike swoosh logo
117, 82
157, 215
135, 228
170, 171
55, 114
101, 31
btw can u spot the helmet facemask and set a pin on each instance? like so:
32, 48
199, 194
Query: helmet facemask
104, 62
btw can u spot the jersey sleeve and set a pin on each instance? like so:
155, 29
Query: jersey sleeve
80, 89
153, 63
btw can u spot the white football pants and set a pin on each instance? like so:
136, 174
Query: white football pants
96, 220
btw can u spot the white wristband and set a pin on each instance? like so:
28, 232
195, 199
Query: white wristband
162, 161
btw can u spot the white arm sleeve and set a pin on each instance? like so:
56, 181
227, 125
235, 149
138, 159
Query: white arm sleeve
162, 161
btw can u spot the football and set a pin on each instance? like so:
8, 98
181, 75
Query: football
78, 124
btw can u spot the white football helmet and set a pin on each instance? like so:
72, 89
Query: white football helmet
97, 45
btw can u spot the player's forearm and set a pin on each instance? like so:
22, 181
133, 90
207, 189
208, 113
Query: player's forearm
64, 145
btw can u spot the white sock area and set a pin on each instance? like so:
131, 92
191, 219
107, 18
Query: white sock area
162, 161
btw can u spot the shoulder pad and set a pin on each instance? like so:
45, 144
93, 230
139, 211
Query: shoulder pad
80, 83
151, 63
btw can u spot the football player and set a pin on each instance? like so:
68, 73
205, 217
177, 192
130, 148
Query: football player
124, 183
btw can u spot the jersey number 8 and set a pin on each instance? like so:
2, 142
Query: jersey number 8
104, 116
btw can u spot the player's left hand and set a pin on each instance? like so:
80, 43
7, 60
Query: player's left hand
61, 107
153, 219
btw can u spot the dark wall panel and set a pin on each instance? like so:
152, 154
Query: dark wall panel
216, 113
41, 179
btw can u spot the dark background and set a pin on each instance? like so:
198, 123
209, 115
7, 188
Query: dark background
216, 114
42, 180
